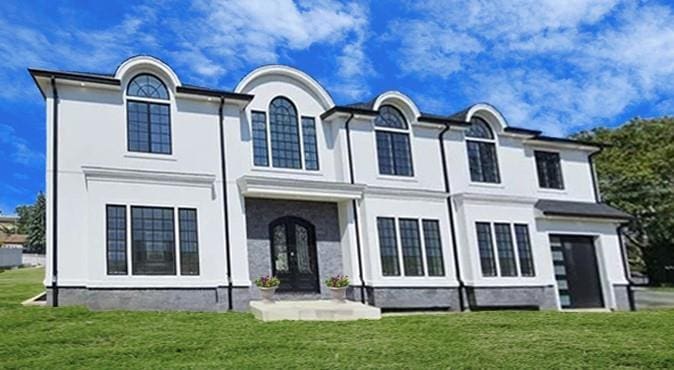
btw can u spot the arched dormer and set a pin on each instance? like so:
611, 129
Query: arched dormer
143, 64
400, 101
285, 73
489, 114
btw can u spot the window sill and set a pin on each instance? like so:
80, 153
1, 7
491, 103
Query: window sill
159, 157
487, 185
552, 191
397, 178
287, 171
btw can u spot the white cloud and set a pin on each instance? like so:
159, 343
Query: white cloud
17, 149
552, 65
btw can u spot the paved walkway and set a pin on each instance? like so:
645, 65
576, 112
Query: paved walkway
653, 298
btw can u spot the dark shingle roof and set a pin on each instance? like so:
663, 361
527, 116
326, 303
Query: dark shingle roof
551, 207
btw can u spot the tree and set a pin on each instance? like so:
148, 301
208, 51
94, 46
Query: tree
636, 174
32, 220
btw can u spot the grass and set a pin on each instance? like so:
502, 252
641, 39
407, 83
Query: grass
73, 337
666, 289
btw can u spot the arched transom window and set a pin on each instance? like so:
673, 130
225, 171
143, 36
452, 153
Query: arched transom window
481, 147
393, 142
148, 115
284, 131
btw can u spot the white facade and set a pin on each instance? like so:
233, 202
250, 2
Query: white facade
96, 168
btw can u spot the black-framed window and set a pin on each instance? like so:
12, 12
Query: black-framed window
481, 148
116, 239
388, 246
506, 251
148, 121
486, 249
410, 244
260, 150
153, 241
284, 132
189, 241
310, 144
394, 154
549, 168
433, 246
524, 250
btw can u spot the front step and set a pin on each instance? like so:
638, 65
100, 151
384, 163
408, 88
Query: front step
317, 310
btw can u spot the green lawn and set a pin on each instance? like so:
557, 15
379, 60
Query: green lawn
34, 337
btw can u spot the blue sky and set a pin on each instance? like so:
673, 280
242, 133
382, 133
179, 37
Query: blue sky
557, 66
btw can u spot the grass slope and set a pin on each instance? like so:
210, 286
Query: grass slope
33, 337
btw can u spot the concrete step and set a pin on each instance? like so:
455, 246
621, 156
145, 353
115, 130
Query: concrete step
316, 310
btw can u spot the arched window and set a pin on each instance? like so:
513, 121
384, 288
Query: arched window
285, 134
393, 142
481, 147
148, 118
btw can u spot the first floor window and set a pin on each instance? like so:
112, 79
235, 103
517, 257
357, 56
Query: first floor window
508, 256
189, 241
116, 239
486, 249
411, 246
433, 248
388, 246
524, 250
409, 242
153, 241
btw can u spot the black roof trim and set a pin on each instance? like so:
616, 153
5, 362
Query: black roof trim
551, 207
348, 109
443, 120
569, 141
76, 76
196, 90
522, 130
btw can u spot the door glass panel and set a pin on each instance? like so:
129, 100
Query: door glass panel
280, 249
302, 247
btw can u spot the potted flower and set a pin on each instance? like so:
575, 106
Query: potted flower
267, 286
338, 285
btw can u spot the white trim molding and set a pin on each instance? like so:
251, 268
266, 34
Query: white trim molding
109, 174
273, 187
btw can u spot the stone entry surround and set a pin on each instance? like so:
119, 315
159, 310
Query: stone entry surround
324, 217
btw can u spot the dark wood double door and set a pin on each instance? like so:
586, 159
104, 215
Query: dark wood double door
293, 254
576, 271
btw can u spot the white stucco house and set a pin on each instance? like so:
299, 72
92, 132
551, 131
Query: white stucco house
163, 195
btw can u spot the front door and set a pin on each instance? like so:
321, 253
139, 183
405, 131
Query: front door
293, 252
576, 271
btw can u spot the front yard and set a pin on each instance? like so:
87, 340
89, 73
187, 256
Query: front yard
35, 337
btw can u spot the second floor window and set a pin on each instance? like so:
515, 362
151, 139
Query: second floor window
393, 143
481, 147
148, 115
285, 133
549, 170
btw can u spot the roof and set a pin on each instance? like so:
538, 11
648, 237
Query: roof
16, 239
551, 207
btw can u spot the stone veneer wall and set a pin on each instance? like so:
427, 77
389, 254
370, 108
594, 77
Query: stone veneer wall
540, 297
261, 212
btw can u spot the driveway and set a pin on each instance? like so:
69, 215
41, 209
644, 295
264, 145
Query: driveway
653, 298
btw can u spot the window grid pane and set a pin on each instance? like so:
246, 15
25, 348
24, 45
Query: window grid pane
482, 161
506, 253
116, 239
390, 117
385, 153
310, 145
411, 247
433, 248
388, 247
524, 250
149, 127
393, 153
260, 150
285, 143
485, 247
549, 170
153, 241
147, 86
189, 242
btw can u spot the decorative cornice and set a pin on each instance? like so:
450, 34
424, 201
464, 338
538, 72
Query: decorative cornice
108, 174
493, 198
405, 193
271, 187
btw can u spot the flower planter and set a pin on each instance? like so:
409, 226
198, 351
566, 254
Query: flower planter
267, 294
338, 294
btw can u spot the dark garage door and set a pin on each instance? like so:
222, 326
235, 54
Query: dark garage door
576, 271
